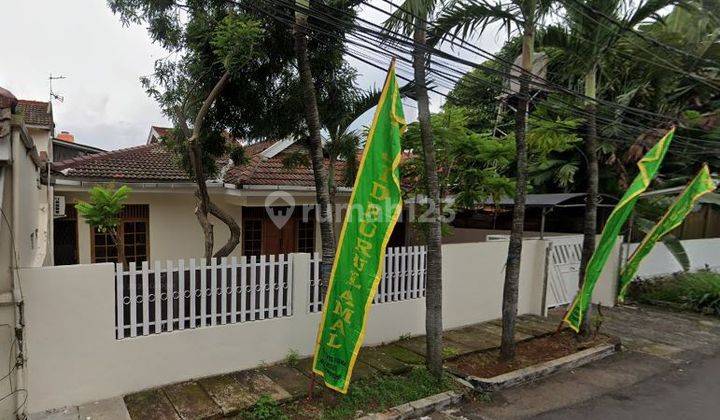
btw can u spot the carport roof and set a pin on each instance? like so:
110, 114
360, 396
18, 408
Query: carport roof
553, 200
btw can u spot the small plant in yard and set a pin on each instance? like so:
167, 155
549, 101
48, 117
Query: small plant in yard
698, 291
383, 392
102, 213
265, 409
449, 351
293, 358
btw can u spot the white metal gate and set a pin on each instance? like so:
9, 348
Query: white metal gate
563, 269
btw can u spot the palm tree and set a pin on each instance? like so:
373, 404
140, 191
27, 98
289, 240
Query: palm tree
585, 41
516, 15
411, 18
315, 147
343, 143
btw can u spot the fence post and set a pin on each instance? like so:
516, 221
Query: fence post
546, 277
300, 264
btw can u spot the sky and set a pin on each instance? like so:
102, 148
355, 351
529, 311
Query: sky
104, 103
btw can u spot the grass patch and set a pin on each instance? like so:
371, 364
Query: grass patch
371, 395
292, 358
265, 409
698, 291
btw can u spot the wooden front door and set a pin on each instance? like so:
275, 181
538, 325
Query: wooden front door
279, 240
262, 236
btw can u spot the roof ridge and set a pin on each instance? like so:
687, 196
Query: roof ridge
63, 164
33, 101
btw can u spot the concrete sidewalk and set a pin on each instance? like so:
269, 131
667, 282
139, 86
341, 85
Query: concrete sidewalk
656, 341
229, 394
658, 345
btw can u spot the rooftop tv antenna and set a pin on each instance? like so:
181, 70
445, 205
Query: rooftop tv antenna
54, 95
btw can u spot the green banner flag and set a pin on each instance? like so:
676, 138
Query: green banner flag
648, 167
673, 217
374, 208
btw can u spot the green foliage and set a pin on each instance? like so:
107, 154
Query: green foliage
470, 165
698, 291
292, 358
102, 212
235, 40
382, 392
237, 154
263, 98
265, 409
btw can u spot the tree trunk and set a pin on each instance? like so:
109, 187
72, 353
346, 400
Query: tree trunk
316, 152
204, 205
433, 295
119, 245
512, 265
591, 203
201, 209
332, 188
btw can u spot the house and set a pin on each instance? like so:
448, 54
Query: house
25, 130
159, 221
65, 147
39, 122
560, 213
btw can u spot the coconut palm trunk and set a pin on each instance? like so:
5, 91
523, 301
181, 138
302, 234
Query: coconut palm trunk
312, 117
512, 266
433, 296
591, 203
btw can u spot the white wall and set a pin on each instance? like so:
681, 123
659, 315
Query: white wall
23, 242
74, 357
702, 253
174, 230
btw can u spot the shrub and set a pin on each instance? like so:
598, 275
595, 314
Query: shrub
266, 409
698, 291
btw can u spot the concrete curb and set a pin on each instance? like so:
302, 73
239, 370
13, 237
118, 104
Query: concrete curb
541, 370
418, 408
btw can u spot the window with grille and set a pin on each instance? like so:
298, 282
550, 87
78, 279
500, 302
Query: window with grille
134, 228
252, 237
306, 235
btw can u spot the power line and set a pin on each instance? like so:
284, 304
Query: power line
641, 35
290, 21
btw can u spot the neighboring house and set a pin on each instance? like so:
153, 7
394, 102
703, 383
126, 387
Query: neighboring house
64, 147
23, 222
157, 133
38, 118
545, 213
159, 221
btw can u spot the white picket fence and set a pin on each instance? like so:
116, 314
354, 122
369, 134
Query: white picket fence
177, 296
403, 277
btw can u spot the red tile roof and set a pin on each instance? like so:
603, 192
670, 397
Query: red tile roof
36, 112
154, 163
151, 162
162, 131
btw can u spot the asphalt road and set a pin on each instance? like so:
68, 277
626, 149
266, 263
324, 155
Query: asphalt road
688, 392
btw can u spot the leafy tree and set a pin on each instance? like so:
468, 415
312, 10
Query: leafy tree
585, 42
411, 18
522, 16
261, 99
102, 213
472, 167
234, 43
